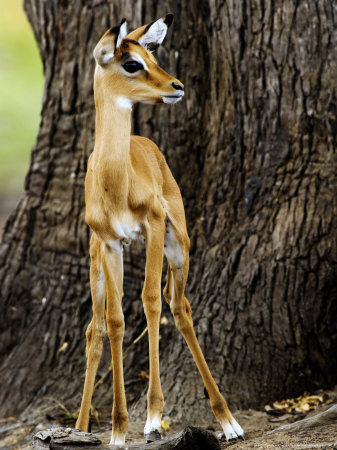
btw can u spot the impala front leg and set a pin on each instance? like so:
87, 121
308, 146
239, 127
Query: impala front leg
151, 297
96, 331
113, 270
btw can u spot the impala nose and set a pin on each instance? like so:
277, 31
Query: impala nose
178, 87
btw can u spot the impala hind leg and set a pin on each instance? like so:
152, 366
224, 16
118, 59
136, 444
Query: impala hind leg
181, 310
151, 297
113, 270
95, 331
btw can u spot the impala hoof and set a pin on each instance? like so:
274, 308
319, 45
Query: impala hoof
233, 431
152, 436
241, 437
234, 439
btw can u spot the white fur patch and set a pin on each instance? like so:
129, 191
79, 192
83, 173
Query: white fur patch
172, 98
127, 232
155, 34
238, 430
116, 245
124, 103
232, 431
229, 432
107, 58
152, 424
140, 60
117, 440
172, 248
100, 286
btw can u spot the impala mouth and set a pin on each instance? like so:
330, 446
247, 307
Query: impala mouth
173, 98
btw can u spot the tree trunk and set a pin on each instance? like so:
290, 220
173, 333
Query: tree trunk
253, 148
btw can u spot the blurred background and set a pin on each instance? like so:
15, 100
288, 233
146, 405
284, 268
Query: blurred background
21, 84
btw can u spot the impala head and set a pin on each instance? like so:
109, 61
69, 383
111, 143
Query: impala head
127, 69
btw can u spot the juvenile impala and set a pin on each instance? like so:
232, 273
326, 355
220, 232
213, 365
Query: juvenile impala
130, 192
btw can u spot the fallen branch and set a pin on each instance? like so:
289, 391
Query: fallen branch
319, 420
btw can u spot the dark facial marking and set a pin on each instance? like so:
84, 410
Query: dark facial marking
132, 41
126, 43
125, 56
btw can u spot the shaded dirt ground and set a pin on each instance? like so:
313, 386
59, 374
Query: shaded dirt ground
257, 426
17, 434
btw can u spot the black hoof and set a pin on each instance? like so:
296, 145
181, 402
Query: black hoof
153, 436
233, 439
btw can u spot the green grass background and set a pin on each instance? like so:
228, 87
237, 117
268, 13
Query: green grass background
21, 84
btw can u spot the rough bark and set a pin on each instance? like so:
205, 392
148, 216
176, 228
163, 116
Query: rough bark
253, 148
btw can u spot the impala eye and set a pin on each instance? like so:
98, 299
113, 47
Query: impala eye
133, 66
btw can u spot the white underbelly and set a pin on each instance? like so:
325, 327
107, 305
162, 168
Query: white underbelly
127, 229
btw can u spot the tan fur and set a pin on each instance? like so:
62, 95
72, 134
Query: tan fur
130, 191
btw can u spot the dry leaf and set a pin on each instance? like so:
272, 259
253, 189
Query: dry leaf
302, 404
164, 321
144, 375
165, 424
63, 347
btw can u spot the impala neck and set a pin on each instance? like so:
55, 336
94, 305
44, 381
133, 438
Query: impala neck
111, 157
113, 129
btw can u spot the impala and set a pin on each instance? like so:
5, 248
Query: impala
131, 193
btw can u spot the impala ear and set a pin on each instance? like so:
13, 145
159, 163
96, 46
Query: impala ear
154, 33
106, 47
122, 32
